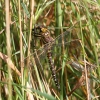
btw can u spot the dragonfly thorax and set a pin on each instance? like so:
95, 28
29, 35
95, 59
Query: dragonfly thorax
43, 33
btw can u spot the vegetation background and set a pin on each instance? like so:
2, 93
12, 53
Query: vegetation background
77, 60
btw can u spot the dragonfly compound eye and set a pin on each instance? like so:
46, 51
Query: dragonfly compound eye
36, 31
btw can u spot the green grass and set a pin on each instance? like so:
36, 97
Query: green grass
24, 77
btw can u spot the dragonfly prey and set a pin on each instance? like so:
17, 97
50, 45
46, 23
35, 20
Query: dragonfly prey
51, 45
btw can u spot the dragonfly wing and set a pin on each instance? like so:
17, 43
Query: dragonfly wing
56, 45
40, 55
70, 44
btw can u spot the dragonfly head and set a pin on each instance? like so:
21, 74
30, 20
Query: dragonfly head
38, 30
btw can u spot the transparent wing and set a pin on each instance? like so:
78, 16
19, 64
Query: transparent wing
71, 46
71, 50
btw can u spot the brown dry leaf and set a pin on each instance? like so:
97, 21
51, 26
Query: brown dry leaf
9, 62
78, 84
49, 15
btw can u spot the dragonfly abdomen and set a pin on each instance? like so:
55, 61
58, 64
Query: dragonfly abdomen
51, 64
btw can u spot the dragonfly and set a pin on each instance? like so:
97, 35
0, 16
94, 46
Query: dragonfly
49, 46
